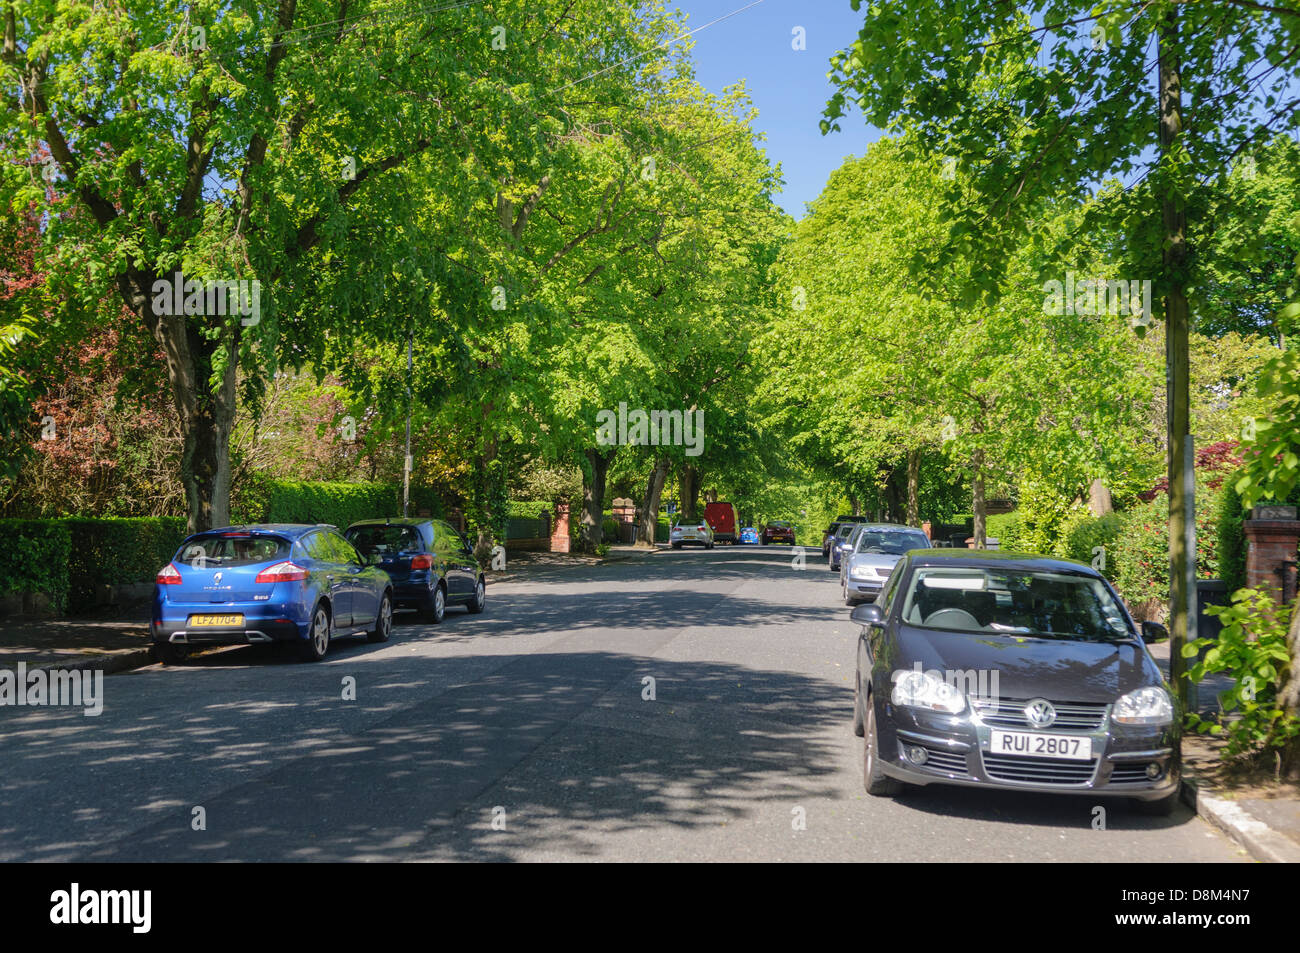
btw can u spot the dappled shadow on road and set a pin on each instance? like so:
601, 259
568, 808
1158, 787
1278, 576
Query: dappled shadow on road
565, 747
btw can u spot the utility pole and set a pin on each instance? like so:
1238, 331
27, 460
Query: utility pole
406, 466
1182, 552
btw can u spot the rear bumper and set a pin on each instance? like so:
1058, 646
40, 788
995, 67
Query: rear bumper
262, 622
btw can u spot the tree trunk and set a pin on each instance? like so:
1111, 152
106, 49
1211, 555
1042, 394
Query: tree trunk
593, 495
1288, 697
650, 509
690, 490
913, 488
1099, 501
206, 415
856, 504
1177, 327
977, 497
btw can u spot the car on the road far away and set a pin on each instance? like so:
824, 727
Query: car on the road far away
694, 532
749, 535
778, 531
839, 543
876, 548
431, 564
290, 583
999, 670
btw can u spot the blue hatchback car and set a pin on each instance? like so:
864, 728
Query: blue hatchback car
431, 564
241, 585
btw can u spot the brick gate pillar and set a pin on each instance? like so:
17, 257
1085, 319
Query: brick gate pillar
560, 541
1272, 538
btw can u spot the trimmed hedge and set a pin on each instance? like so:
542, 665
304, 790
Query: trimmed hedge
69, 558
1008, 529
290, 501
118, 551
35, 558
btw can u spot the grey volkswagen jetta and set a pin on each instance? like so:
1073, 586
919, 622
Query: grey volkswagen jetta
1009, 671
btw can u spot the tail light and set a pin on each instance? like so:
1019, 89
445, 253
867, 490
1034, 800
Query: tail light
422, 561
169, 575
282, 572
700, 527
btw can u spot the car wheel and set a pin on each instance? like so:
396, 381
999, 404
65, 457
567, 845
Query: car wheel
383, 621
877, 783
318, 641
480, 596
1161, 808
169, 653
677, 545
435, 613
709, 544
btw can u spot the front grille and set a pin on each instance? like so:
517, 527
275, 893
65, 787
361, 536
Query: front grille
1039, 770
1010, 713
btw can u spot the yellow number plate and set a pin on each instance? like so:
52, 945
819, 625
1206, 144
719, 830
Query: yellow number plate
200, 620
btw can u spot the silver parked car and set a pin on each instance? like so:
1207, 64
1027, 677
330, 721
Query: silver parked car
867, 563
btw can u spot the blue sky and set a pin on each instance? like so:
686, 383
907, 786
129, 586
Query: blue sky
788, 87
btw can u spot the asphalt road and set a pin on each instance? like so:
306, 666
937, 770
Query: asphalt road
524, 734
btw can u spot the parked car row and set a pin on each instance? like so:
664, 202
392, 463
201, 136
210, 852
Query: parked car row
721, 527
1000, 670
306, 585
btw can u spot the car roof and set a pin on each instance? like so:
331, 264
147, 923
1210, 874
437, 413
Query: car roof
996, 559
872, 527
394, 521
292, 530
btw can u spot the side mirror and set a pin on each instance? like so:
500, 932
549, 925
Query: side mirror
1154, 632
868, 614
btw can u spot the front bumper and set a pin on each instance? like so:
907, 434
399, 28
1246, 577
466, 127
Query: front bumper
957, 751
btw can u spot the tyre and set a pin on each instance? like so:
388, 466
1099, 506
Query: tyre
383, 622
318, 640
169, 653
877, 783
709, 544
435, 613
1161, 808
480, 597
677, 545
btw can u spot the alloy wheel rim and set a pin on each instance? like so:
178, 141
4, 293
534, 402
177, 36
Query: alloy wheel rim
438, 603
320, 635
478, 594
386, 616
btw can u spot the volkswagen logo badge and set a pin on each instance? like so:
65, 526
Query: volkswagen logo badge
1040, 713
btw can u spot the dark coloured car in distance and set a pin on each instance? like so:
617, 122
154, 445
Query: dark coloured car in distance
778, 531
1009, 671
431, 564
243, 585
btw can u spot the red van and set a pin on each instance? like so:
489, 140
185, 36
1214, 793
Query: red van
721, 517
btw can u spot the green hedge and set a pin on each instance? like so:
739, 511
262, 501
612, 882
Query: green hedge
1232, 537
118, 551
1008, 529
68, 558
287, 501
35, 558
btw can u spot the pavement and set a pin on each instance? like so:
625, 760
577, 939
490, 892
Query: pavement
683, 706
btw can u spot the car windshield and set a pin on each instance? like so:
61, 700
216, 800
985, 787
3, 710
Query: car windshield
844, 531
778, 524
385, 540
232, 549
1015, 601
890, 542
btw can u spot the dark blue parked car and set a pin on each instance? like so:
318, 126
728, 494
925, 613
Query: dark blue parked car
288, 583
431, 564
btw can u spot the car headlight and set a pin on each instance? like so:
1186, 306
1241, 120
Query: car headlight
1145, 706
862, 572
917, 689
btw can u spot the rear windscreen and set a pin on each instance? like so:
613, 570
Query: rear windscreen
386, 540
232, 550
